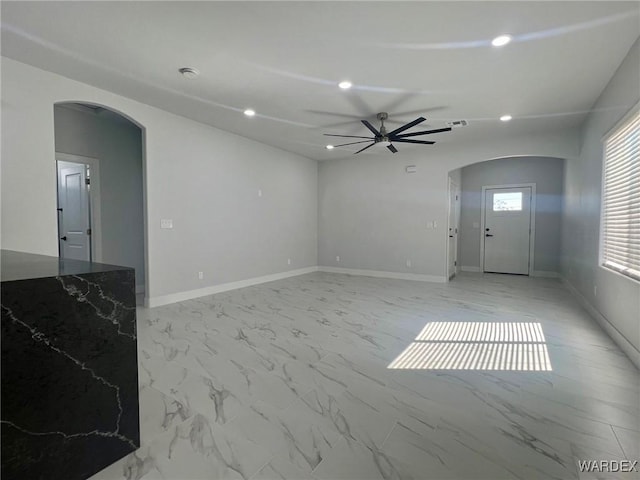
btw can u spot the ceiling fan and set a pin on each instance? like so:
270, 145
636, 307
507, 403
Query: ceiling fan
386, 139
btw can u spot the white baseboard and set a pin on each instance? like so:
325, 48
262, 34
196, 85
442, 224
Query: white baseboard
380, 274
223, 287
625, 345
466, 268
535, 273
545, 274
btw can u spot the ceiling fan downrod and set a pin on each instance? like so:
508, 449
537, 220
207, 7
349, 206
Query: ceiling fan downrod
382, 138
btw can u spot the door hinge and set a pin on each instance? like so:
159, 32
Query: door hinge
87, 181
456, 197
88, 231
455, 263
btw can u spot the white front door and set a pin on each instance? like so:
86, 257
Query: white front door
73, 211
454, 208
507, 234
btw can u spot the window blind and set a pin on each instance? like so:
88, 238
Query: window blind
620, 246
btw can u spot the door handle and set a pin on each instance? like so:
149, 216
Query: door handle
64, 238
488, 235
450, 236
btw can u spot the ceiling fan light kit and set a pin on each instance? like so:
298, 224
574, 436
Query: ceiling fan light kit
382, 138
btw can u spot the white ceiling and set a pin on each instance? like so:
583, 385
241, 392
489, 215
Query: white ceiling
284, 59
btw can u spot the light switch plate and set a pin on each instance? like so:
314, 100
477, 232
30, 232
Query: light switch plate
166, 223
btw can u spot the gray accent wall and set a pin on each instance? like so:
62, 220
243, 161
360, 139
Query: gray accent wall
547, 174
615, 297
117, 144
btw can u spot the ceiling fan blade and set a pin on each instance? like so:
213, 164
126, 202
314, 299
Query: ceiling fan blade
345, 136
335, 114
422, 142
352, 143
358, 103
392, 148
333, 126
425, 132
407, 126
370, 127
417, 112
363, 149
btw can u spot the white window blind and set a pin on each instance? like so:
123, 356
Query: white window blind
620, 246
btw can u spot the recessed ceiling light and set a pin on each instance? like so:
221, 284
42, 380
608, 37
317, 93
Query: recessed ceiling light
505, 118
501, 40
189, 73
329, 147
249, 112
345, 85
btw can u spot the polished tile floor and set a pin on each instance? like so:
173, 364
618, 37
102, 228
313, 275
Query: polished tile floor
291, 379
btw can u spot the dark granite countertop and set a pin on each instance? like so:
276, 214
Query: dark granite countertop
22, 266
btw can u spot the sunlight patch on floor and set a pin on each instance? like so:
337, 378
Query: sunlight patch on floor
514, 346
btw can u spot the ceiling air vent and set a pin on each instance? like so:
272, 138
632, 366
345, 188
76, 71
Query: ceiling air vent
457, 123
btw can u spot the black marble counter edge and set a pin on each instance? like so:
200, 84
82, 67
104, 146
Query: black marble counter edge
16, 265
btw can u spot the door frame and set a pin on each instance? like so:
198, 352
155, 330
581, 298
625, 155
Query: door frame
532, 221
456, 226
94, 199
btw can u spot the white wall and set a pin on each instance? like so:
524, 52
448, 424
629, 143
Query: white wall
117, 144
456, 176
205, 179
547, 174
374, 215
618, 297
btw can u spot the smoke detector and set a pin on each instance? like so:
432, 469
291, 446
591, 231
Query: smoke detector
457, 123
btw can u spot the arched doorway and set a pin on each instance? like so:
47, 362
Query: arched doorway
101, 188
522, 197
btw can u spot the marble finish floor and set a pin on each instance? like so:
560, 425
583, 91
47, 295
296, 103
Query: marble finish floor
290, 380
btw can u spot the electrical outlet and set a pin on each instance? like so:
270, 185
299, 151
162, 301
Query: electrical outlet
259, 193
337, 258
288, 261
408, 263
166, 223
200, 275
429, 224
435, 224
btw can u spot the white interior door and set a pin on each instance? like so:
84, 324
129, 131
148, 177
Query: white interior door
454, 208
507, 234
74, 211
